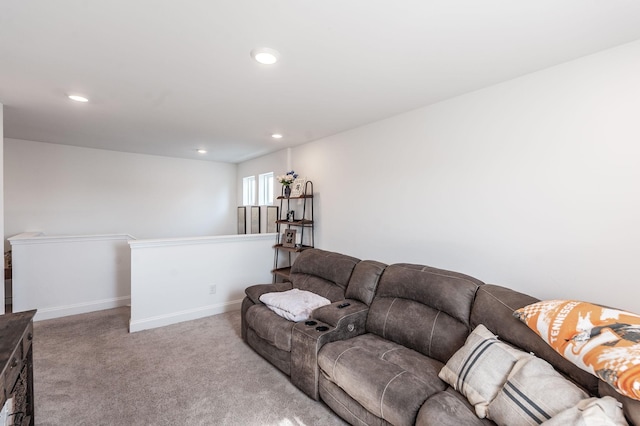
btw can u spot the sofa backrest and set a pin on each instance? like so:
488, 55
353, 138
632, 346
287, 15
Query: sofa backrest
323, 272
423, 308
364, 281
494, 306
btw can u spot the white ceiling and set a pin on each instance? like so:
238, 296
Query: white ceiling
168, 77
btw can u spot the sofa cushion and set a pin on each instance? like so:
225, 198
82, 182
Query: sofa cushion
533, 393
603, 341
480, 368
416, 326
423, 308
270, 327
389, 380
449, 408
323, 272
447, 291
364, 281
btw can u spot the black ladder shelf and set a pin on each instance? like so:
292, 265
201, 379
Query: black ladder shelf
302, 222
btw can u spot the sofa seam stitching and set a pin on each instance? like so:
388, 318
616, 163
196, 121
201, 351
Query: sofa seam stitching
385, 390
386, 352
433, 327
447, 276
384, 326
338, 358
498, 300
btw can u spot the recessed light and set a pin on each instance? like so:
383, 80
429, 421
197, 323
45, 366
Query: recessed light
201, 151
78, 98
265, 55
276, 136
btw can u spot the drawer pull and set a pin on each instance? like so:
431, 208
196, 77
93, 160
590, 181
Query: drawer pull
14, 362
30, 336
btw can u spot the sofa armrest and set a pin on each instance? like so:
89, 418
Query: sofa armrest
334, 314
328, 323
255, 291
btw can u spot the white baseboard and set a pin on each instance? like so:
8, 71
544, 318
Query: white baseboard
81, 308
181, 316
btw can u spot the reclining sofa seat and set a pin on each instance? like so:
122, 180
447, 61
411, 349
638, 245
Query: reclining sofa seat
331, 275
419, 318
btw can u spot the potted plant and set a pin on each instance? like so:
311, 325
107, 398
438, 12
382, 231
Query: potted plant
286, 180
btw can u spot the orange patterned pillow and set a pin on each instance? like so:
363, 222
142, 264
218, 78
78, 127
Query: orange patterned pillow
602, 341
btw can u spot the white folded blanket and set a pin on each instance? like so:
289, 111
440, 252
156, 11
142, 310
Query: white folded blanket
295, 304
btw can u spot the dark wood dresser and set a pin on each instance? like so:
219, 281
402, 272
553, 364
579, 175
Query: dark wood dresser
16, 359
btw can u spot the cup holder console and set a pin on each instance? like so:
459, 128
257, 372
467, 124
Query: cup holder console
311, 323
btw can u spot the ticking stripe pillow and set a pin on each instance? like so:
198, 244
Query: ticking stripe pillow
605, 411
533, 393
480, 368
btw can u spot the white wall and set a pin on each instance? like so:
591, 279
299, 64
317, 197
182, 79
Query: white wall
69, 190
172, 279
530, 184
70, 275
277, 162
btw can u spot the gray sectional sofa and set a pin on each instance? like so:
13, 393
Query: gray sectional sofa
377, 360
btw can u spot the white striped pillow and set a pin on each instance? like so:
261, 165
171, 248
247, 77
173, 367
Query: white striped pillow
479, 369
533, 394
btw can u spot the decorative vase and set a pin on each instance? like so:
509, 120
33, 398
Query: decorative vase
287, 191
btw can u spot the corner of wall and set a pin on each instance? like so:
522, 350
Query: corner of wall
2, 197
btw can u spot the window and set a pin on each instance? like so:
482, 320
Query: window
249, 190
265, 189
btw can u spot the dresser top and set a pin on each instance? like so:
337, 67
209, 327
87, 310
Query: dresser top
12, 327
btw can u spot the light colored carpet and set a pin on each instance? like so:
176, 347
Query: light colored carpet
88, 370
